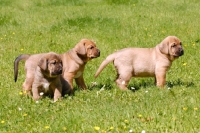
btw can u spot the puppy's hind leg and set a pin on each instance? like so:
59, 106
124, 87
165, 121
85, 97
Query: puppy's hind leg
27, 85
123, 79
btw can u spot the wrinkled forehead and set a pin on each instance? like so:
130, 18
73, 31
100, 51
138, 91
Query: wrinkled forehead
174, 40
54, 57
89, 43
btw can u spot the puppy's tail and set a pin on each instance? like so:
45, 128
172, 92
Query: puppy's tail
109, 59
16, 63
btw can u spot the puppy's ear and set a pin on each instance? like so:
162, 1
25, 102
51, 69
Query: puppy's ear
164, 47
80, 48
43, 62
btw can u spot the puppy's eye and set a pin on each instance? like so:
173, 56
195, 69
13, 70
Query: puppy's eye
53, 62
91, 47
174, 45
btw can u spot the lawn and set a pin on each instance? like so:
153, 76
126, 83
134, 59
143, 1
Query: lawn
41, 26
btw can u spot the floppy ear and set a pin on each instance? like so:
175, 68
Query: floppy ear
164, 47
43, 62
80, 48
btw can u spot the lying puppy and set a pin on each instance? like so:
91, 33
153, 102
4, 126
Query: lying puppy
144, 62
74, 62
42, 74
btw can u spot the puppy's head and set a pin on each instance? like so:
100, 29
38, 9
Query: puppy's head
171, 46
51, 64
87, 49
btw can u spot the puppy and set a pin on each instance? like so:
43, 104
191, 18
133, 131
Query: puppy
144, 62
74, 62
43, 73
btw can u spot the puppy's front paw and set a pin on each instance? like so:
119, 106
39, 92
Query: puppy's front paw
35, 98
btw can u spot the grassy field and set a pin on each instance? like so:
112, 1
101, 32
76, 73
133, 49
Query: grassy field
36, 26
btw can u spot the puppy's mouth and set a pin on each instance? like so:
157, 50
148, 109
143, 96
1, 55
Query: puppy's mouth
179, 53
96, 55
92, 57
54, 74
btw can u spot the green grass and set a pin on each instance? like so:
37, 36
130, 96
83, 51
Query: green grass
51, 25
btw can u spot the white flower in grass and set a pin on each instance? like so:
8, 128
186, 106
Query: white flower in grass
41, 93
132, 88
143, 131
94, 83
36, 101
130, 131
19, 109
146, 91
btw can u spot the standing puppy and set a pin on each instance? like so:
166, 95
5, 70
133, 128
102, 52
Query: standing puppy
42, 74
144, 62
74, 62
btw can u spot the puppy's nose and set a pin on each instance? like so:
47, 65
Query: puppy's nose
181, 52
98, 52
60, 70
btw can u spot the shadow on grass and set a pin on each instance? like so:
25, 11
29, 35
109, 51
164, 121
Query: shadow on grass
100, 86
93, 86
150, 83
179, 82
108, 85
141, 84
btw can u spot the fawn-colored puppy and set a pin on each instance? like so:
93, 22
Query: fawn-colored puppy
144, 62
74, 62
